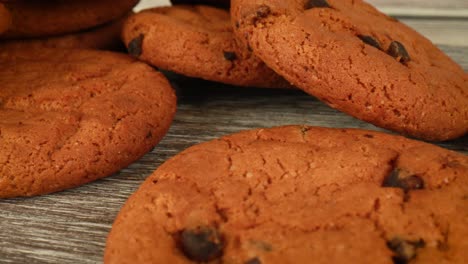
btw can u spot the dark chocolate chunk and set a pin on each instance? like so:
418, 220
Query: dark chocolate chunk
398, 51
370, 41
316, 4
404, 250
201, 244
407, 183
263, 11
229, 55
253, 261
134, 46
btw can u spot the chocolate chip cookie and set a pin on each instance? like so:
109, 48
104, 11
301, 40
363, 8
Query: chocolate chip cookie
68, 117
196, 41
57, 17
295, 194
105, 37
359, 61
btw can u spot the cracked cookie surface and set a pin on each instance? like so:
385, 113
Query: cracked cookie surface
56, 17
71, 117
196, 41
359, 61
294, 194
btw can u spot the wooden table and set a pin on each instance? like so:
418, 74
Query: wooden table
71, 226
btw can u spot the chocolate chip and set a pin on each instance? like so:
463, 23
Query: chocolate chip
253, 261
229, 55
398, 51
370, 41
404, 250
134, 46
201, 244
263, 11
316, 4
407, 183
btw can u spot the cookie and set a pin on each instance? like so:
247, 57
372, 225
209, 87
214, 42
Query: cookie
105, 37
58, 17
295, 194
217, 3
195, 41
5, 19
68, 117
359, 61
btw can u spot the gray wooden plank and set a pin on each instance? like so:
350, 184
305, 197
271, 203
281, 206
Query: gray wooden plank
71, 226
441, 31
420, 4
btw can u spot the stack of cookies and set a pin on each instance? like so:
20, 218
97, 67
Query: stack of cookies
64, 23
293, 194
70, 115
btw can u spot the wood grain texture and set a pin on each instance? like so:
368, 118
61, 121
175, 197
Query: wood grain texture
436, 30
71, 226
420, 4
